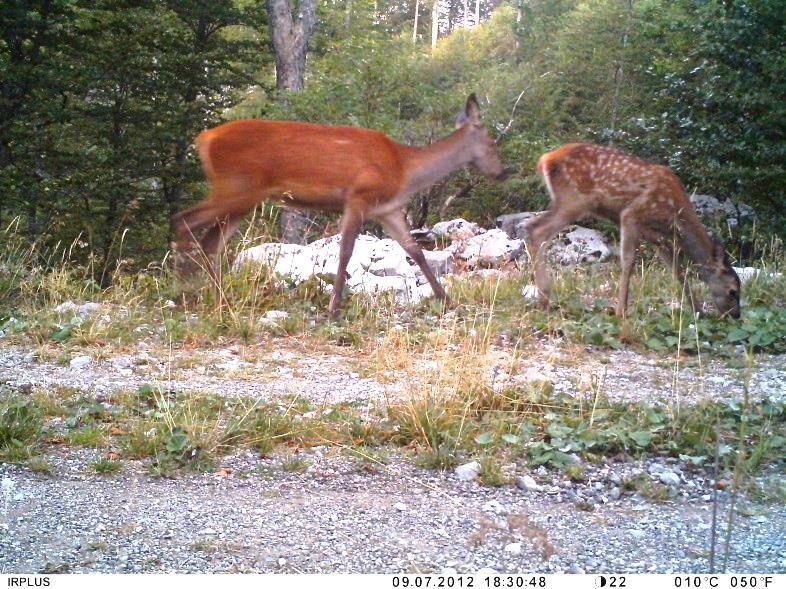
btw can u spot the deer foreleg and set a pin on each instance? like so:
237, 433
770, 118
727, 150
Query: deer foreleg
630, 237
539, 232
668, 254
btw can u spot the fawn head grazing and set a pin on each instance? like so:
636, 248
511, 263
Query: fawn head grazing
723, 282
485, 159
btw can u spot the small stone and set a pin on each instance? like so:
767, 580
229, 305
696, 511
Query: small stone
494, 506
449, 571
513, 548
207, 532
67, 307
530, 292
400, 506
669, 478
282, 561
88, 308
468, 471
527, 483
575, 569
656, 468
275, 315
615, 493
486, 571
636, 534
80, 362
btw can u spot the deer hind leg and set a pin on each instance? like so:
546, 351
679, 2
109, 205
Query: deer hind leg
395, 224
539, 232
350, 228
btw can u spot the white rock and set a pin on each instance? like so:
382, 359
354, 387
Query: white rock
66, 307
709, 206
748, 273
513, 548
615, 493
285, 259
527, 483
394, 264
669, 478
515, 225
400, 506
457, 229
326, 254
440, 261
580, 245
468, 471
88, 308
80, 362
530, 292
492, 248
275, 315
123, 362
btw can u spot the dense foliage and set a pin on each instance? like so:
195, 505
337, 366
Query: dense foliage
99, 101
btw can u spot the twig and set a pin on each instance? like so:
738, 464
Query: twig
507, 127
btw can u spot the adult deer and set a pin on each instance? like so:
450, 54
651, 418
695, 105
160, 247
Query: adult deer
647, 201
359, 172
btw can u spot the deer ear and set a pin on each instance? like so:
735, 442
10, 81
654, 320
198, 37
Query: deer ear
473, 109
470, 114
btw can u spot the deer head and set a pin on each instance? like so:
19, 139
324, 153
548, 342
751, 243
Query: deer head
485, 159
723, 282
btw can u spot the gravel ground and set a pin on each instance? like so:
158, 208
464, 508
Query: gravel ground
331, 518
325, 378
254, 516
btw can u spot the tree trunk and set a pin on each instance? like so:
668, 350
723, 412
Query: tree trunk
434, 23
415, 26
290, 42
477, 12
348, 16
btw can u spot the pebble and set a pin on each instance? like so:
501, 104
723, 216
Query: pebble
527, 483
669, 478
513, 548
80, 362
468, 471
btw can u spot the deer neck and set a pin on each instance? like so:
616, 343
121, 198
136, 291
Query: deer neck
694, 239
429, 164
